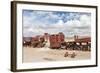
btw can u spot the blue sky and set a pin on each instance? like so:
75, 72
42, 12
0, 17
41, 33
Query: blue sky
70, 23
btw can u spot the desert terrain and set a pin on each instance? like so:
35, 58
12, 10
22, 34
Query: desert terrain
44, 54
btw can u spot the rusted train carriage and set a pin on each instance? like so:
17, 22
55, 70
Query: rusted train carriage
56, 40
83, 44
38, 41
27, 41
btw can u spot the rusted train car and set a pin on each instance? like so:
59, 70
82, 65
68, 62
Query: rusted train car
83, 44
56, 40
38, 41
27, 41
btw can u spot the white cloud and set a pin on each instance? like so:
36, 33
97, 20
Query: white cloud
39, 23
85, 20
80, 27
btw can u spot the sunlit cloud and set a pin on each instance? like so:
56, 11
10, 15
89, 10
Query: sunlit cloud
70, 23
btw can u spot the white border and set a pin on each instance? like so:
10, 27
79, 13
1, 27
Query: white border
21, 65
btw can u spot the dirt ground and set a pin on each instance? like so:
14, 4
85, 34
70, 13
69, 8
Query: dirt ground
45, 54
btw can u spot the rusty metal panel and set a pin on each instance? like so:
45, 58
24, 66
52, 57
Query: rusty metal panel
56, 40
